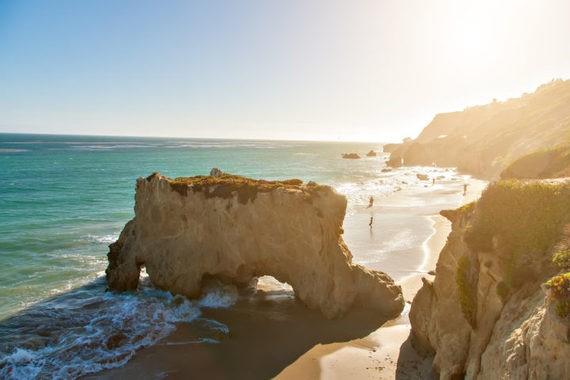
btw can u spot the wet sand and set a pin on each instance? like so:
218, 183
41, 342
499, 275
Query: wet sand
273, 335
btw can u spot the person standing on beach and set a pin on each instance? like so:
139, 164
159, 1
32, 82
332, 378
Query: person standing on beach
370, 201
371, 221
464, 189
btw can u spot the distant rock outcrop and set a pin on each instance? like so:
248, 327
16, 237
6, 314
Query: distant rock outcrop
371, 153
234, 229
484, 140
350, 156
488, 314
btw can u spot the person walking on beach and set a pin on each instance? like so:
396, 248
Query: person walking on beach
371, 221
370, 201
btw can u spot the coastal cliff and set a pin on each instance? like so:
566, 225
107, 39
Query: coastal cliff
499, 306
187, 231
484, 140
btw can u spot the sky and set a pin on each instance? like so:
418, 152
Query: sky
359, 70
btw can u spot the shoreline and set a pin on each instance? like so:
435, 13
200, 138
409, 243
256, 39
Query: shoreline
385, 353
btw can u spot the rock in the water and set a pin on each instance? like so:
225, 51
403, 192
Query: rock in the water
371, 154
350, 156
116, 340
234, 229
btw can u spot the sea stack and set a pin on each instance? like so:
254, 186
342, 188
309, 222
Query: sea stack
235, 229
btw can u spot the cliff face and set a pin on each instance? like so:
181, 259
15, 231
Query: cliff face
235, 229
488, 314
483, 140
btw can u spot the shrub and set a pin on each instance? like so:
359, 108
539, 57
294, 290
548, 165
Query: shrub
560, 292
467, 290
561, 259
522, 221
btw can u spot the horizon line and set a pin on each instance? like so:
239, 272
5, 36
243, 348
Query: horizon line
193, 138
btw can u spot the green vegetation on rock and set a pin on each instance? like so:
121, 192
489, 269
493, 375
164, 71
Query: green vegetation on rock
466, 281
522, 222
546, 163
561, 258
226, 185
560, 292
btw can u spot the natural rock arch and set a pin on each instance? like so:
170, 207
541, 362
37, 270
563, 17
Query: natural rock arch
236, 229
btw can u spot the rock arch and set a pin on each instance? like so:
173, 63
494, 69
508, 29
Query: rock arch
236, 229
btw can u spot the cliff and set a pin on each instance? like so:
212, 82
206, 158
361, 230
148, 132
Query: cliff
484, 140
234, 229
499, 307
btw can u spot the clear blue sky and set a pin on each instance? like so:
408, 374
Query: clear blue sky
348, 70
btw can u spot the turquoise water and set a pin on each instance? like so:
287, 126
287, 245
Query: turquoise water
63, 199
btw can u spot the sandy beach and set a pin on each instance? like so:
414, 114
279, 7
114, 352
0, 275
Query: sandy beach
273, 335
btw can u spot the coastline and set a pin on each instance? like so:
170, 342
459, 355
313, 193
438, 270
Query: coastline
273, 335
385, 353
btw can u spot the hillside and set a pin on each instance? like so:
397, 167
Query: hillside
484, 140
546, 163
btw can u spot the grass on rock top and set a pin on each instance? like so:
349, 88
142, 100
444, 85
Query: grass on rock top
227, 185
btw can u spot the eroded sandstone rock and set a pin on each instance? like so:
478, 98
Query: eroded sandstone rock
236, 229
486, 314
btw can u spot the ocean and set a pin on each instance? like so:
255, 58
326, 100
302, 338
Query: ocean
64, 199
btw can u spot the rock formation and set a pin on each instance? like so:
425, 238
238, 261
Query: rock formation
350, 156
488, 314
484, 140
371, 153
188, 230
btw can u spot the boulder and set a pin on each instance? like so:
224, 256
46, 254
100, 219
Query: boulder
422, 177
215, 172
235, 229
350, 156
371, 154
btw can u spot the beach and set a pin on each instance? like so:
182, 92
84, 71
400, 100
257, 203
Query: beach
273, 335
67, 198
